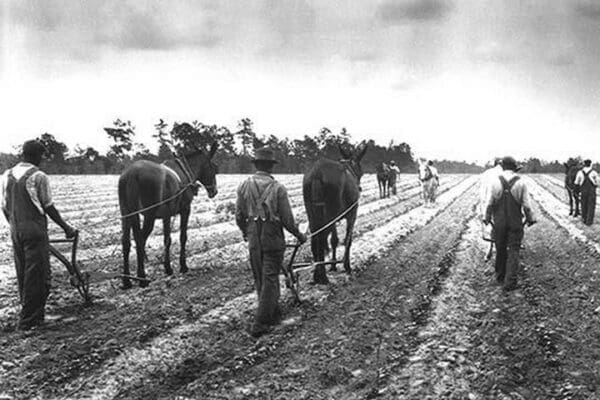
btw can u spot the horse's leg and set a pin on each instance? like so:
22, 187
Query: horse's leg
147, 228
126, 242
334, 244
348, 239
139, 247
488, 256
167, 244
577, 204
185, 215
318, 247
570, 201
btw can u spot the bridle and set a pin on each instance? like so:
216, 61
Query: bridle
350, 166
185, 167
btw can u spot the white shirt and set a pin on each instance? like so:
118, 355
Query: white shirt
38, 186
519, 192
593, 175
488, 178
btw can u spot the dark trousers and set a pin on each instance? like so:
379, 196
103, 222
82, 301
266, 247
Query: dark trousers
265, 267
508, 243
33, 277
588, 206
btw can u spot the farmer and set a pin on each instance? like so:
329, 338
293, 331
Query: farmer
262, 211
26, 201
586, 181
435, 177
508, 200
394, 174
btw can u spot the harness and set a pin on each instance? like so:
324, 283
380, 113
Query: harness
512, 220
349, 165
257, 201
428, 174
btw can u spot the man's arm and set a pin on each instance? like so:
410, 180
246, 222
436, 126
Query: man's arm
578, 178
286, 215
489, 203
526, 204
241, 218
44, 194
53, 213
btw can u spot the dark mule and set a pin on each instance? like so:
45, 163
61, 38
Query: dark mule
384, 173
571, 169
171, 184
330, 188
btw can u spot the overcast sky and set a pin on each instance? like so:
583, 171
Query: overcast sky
465, 79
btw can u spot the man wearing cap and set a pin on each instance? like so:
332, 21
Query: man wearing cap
395, 173
262, 211
586, 181
508, 199
26, 201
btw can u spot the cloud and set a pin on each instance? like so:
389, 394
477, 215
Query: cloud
125, 24
398, 12
588, 9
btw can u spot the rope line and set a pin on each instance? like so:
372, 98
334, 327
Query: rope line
333, 221
159, 203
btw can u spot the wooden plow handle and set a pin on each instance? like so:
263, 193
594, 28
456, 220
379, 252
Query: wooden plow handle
78, 279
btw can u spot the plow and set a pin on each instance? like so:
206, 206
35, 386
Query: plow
78, 278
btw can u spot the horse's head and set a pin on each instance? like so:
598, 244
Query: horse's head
204, 169
352, 157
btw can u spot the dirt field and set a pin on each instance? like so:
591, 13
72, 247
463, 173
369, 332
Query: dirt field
420, 318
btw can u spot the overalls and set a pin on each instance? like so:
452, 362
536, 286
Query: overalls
588, 199
508, 228
29, 234
266, 243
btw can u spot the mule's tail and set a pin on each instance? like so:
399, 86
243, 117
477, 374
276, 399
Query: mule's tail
129, 203
317, 220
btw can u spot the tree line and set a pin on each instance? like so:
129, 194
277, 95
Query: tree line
234, 154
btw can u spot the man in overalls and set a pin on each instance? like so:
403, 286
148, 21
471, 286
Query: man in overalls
262, 211
586, 181
507, 201
26, 201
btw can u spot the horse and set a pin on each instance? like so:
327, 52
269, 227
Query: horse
331, 189
571, 169
162, 191
384, 173
428, 182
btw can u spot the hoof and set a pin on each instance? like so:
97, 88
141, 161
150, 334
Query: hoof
320, 281
126, 284
144, 284
183, 270
169, 272
333, 268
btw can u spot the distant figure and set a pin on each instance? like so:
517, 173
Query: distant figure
26, 201
436, 179
428, 175
262, 211
508, 200
587, 181
394, 175
488, 178
383, 173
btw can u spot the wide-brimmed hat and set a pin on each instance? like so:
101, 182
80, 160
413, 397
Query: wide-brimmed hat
264, 154
510, 163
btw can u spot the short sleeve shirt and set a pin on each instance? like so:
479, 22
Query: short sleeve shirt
38, 186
